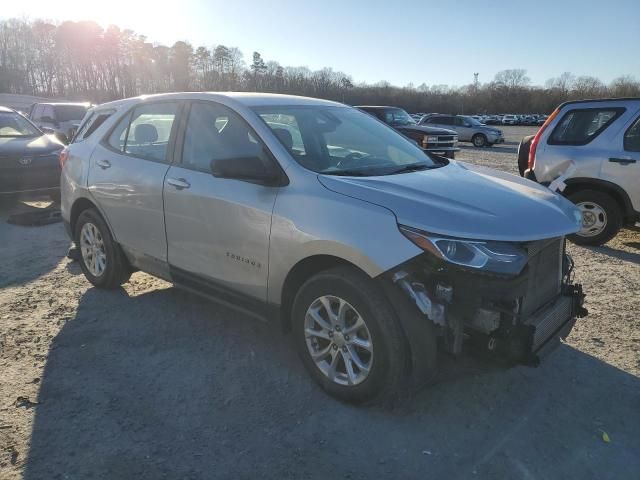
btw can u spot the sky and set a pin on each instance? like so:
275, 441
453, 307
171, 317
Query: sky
434, 42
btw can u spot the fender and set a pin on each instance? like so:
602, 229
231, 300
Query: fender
620, 193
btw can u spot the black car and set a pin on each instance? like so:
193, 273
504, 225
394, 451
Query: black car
28, 157
430, 139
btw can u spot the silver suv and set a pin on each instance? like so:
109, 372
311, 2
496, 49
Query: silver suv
468, 129
590, 151
327, 222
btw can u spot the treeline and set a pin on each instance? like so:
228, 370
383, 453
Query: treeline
83, 61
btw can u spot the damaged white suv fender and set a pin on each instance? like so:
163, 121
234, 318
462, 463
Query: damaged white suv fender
316, 216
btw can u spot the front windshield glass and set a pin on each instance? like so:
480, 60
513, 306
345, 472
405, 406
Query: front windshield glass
398, 117
68, 113
15, 125
342, 141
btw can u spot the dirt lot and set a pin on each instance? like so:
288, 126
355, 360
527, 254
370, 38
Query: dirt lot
150, 382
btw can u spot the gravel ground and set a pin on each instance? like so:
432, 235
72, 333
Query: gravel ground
151, 382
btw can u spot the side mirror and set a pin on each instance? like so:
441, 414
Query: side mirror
249, 169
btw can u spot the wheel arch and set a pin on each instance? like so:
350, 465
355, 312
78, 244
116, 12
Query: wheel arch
300, 273
604, 186
80, 205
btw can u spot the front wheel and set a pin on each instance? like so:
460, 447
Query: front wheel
601, 218
347, 336
479, 140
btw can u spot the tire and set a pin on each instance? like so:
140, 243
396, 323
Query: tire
479, 140
604, 213
451, 155
523, 154
361, 296
116, 269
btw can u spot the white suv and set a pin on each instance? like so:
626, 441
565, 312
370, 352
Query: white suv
590, 151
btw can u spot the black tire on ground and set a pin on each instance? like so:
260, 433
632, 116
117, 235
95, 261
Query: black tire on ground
451, 155
523, 154
117, 270
387, 373
611, 210
479, 140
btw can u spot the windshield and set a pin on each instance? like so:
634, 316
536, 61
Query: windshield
397, 116
67, 113
342, 141
15, 125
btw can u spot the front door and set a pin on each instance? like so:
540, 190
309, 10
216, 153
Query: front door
126, 177
218, 229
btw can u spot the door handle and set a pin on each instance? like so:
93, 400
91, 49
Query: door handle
178, 183
623, 161
103, 164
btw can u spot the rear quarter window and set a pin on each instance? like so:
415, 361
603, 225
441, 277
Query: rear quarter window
632, 137
95, 120
581, 126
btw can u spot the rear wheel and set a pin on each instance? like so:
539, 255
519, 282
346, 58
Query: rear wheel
479, 140
348, 337
601, 217
101, 259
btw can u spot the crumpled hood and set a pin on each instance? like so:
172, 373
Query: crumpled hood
466, 201
16, 146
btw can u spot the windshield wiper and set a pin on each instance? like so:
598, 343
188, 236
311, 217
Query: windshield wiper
348, 173
414, 167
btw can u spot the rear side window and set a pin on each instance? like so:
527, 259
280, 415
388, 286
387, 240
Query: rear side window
95, 120
581, 126
632, 137
150, 131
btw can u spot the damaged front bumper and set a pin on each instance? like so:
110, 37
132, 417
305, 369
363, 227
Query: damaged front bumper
520, 319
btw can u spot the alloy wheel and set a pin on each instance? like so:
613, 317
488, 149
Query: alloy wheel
93, 250
338, 340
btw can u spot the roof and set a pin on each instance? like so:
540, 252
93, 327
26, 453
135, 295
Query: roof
377, 107
80, 104
245, 98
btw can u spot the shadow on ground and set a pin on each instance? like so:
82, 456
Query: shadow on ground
164, 385
494, 149
35, 254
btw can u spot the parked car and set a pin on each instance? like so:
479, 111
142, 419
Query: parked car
509, 120
430, 139
492, 120
61, 119
28, 157
468, 129
590, 150
337, 228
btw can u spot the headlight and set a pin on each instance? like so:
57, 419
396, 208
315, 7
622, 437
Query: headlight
497, 257
432, 139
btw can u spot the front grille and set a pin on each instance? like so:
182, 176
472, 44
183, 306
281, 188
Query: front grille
447, 138
549, 320
545, 273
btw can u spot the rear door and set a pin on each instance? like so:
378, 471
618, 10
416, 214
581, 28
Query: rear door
622, 164
217, 228
582, 136
464, 133
126, 177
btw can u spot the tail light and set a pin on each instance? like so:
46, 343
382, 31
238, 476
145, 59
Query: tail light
63, 156
534, 143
